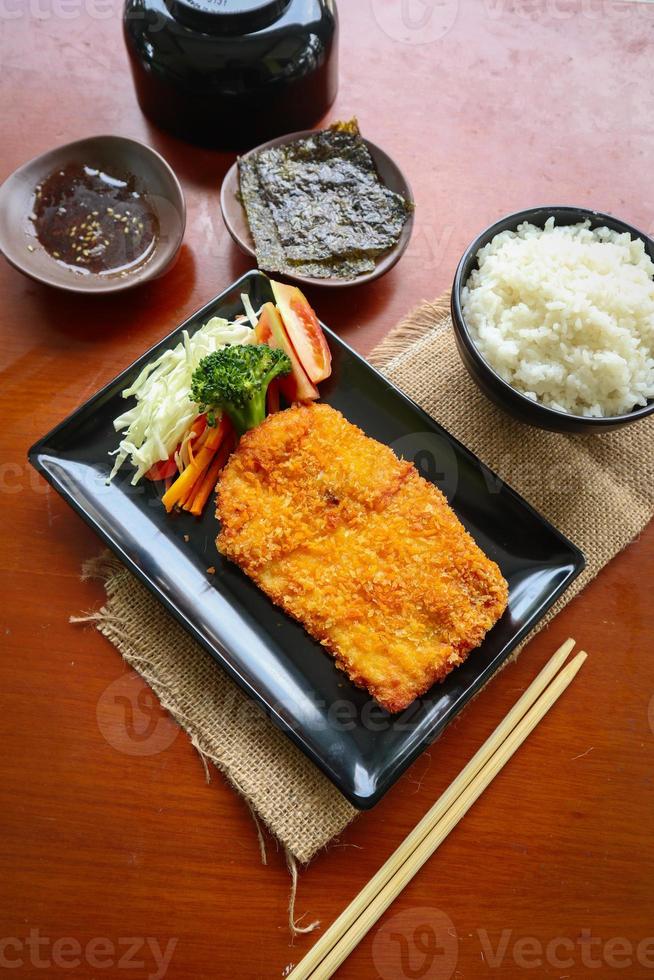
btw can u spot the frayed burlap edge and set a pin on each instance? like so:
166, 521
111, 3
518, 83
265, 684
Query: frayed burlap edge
112, 621
423, 318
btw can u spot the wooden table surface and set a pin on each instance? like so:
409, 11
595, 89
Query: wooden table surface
122, 864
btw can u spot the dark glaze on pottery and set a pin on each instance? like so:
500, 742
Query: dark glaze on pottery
232, 73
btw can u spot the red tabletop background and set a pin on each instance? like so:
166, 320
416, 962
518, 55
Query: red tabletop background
108, 857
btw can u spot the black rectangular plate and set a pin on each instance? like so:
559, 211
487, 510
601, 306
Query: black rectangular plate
360, 747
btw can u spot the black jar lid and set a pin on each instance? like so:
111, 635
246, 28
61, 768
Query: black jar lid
230, 17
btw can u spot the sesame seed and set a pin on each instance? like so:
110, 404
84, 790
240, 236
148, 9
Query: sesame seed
30, 248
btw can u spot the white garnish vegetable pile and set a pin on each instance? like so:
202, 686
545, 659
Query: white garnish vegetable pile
163, 412
566, 316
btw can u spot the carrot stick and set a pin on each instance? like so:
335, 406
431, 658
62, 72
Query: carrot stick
187, 499
188, 495
208, 483
185, 481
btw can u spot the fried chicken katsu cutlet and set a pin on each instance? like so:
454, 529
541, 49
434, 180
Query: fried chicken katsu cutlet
356, 545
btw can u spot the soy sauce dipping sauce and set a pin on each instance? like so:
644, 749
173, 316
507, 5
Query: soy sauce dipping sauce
94, 222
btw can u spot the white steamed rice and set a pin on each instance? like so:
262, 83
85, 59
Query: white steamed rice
566, 316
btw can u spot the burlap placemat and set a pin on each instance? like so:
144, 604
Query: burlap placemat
599, 491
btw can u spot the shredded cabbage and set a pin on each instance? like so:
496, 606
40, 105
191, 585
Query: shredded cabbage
249, 309
163, 414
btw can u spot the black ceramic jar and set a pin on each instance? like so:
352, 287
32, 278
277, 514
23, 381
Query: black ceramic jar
233, 73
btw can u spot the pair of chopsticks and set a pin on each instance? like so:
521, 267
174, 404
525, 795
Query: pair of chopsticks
362, 913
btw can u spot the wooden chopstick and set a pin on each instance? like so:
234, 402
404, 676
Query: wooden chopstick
319, 954
361, 925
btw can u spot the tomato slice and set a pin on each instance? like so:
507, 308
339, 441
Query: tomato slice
304, 331
162, 470
296, 386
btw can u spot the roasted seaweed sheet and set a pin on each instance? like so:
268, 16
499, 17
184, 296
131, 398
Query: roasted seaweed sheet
270, 251
317, 206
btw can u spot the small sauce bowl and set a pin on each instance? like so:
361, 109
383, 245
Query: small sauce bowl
114, 155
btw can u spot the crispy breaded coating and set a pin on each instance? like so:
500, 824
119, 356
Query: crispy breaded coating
357, 546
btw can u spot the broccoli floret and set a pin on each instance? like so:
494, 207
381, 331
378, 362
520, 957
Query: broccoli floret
236, 380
